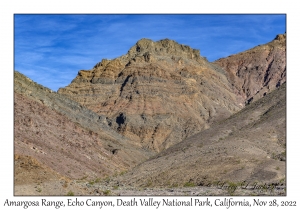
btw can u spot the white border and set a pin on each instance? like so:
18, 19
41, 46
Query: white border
9, 8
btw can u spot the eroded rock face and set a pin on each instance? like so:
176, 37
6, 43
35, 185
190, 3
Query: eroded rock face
257, 71
158, 94
249, 146
67, 137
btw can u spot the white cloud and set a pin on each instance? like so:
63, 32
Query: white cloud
63, 44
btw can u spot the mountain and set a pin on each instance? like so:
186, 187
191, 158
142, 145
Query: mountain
63, 138
248, 146
159, 116
158, 94
257, 71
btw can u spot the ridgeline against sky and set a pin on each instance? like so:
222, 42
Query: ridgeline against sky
51, 49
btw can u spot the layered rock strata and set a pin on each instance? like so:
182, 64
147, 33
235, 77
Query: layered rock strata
66, 137
158, 94
248, 147
257, 71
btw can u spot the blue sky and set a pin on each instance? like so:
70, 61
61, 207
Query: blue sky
51, 49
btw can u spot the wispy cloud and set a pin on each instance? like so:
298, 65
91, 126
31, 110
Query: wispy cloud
50, 49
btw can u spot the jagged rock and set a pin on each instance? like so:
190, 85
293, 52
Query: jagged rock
158, 94
250, 147
67, 137
257, 71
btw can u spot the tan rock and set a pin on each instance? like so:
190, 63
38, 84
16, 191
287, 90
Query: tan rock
157, 94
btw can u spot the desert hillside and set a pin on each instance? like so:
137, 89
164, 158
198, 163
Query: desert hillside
158, 94
160, 116
259, 70
66, 137
248, 146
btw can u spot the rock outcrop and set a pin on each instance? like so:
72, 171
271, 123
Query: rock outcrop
66, 137
259, 70
156, 95
249, 146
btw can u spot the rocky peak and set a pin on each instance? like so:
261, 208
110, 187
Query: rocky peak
162, 48
281, 37
158, 94
144, 51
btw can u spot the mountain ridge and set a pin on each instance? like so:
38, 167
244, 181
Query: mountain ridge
66, 127
257, 71
143, 88
141, 119
248, 146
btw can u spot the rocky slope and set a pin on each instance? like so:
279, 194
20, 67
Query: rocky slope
249, 146
65, 137
259, 70
158, 94
146, 109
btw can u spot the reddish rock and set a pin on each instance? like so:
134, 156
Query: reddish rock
257, 71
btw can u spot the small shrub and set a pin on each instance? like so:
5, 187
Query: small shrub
123, 172
106, 192
282, 180
107, 179
149, 183
232, 187
189, 184
175, 185
70, 193
84, 177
